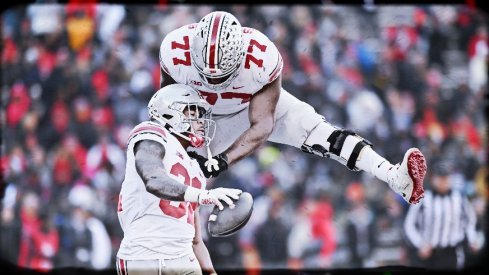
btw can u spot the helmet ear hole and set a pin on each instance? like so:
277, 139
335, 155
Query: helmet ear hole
167, 116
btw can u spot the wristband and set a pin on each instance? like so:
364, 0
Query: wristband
192, 194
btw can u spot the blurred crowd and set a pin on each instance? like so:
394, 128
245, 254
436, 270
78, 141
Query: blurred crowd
77, 78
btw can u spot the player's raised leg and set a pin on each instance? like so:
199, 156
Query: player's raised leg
353, 151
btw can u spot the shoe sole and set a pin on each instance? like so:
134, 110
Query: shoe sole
417, 170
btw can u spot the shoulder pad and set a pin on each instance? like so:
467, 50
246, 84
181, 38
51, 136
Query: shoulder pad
148, 127
175, 52
262, 56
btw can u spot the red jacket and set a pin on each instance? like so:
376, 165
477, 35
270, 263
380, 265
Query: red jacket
37, 248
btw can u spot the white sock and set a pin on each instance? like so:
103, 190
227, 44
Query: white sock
370, 161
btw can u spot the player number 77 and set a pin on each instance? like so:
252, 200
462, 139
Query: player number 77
186, 47
251, 58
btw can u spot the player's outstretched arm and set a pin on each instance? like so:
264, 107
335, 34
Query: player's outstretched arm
200, 249
262, 120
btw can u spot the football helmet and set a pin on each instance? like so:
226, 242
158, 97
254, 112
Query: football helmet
217, 49
167, 106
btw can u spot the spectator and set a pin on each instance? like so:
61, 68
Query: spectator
80, 28
360, 230
437, 43
85, 242
105, 166
390, 245
39, 241
58, 124
84, 128
64, 172
270, 236
311, 242
10, 226
478, 57
18, 105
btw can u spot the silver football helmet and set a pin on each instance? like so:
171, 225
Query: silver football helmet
217, 49
168, 104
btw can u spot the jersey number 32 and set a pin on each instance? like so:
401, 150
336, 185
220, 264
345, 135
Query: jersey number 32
178, 209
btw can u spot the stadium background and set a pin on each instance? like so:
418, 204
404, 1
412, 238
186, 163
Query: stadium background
77, 78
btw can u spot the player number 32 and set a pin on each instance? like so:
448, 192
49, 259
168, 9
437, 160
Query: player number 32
177, 209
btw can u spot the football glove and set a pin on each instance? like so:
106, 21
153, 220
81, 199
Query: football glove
215, 196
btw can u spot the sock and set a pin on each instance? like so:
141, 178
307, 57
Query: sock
370, 161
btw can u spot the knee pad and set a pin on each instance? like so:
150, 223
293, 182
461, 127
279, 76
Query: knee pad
342, 145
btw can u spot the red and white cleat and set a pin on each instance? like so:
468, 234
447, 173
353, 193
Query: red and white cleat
407, 178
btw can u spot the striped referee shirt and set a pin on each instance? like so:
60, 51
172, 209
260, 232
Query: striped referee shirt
442, 220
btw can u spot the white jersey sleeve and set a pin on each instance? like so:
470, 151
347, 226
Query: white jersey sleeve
174, 53
262, 57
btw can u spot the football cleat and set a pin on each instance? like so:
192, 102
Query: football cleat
407, 178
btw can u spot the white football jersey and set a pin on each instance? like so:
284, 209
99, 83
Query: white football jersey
155, 228
261, 65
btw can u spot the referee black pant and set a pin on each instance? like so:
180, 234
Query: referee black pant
447, 258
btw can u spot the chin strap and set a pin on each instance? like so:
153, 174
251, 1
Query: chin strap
178, 133
209, 154
194, 140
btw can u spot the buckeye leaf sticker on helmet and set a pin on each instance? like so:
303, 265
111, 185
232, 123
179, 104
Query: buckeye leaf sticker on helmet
217, 49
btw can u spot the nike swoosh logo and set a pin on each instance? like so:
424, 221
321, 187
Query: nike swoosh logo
380, 164
237, 87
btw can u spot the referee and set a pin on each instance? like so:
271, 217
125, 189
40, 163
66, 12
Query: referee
438, 226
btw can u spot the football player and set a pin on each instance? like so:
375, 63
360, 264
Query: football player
238, 71
163, 188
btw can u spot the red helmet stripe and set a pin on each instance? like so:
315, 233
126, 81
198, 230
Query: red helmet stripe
213, 43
